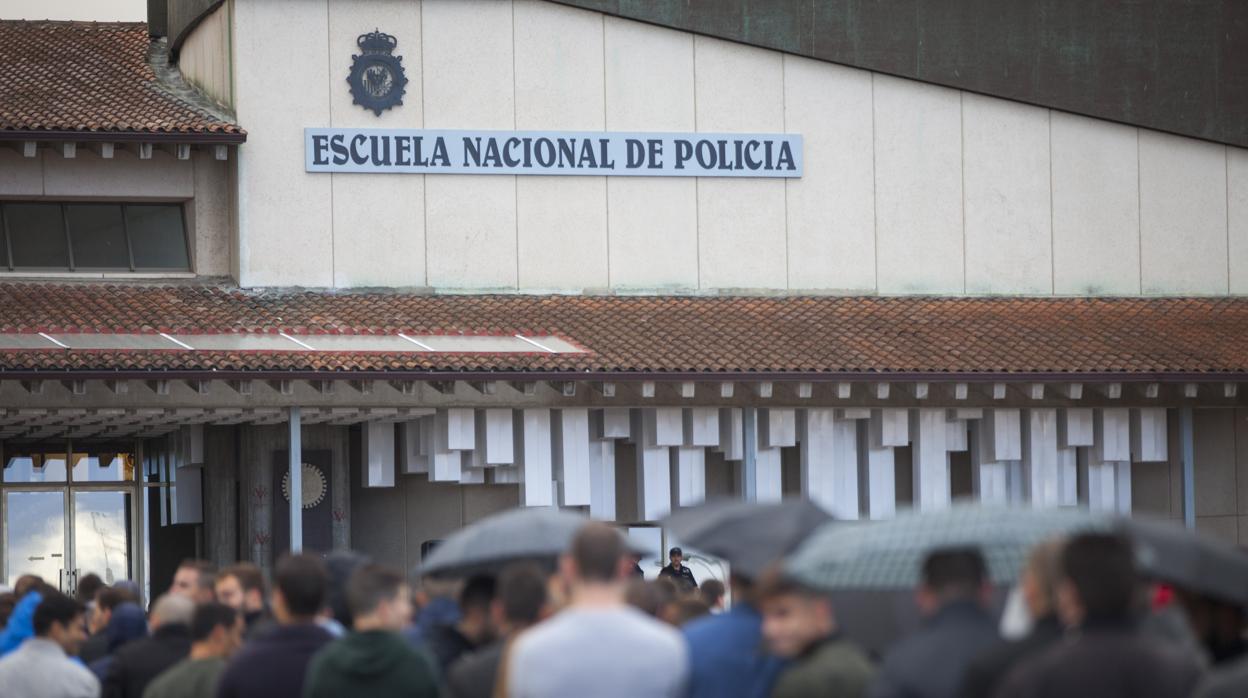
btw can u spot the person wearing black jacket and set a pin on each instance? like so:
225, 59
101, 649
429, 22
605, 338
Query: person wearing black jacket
678, 573
137, 663
106, 600
274, 664
522, 597
932, 661
475, 628
1039, 588
1106, 655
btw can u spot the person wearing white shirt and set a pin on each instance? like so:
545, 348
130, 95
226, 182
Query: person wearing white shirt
598, 645
41, 667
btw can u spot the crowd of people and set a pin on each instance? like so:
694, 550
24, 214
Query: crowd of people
591, 626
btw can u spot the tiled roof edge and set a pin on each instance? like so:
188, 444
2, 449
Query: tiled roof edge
170, 80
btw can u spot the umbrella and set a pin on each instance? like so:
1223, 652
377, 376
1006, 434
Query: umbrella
889, 554
540, 534
1192, 561
749, 535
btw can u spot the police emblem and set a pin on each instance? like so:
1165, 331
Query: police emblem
376, 79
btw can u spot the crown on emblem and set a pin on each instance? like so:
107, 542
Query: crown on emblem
376, 42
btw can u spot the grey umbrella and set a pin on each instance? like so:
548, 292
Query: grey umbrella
540, 534
888, 554
1193, 561
749, 535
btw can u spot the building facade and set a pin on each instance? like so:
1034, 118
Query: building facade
961, 295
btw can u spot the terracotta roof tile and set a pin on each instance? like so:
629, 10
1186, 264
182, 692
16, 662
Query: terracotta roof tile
89, 76
660, 334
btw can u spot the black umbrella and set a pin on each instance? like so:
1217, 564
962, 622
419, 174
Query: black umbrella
1193, 561
538, 534
749, 535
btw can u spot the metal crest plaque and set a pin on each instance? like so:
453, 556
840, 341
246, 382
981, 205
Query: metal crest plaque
377, 79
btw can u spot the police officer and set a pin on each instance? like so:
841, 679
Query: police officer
678, 573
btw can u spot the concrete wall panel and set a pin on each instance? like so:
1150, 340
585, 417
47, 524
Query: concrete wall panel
652, 222
741, 222
20, 175
1008, 204
1214, 441
204, 58
1241, 460
1237, 217
1183, 230
561, 221
470, 220
209, 216
286, 217
1096, 207
831, 209
125, 176
918, 187
377, 212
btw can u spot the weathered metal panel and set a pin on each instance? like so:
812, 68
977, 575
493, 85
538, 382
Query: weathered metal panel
1170, 66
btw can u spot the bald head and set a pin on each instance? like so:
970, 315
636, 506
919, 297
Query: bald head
172, 609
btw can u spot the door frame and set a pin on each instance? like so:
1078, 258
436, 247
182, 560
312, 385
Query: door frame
66, 546
136, 487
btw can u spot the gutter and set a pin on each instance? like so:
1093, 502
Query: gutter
636, 376
204, 138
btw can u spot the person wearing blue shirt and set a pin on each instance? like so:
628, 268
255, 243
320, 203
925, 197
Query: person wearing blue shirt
726, 654
21, 622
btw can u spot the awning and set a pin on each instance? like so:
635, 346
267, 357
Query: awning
183, 329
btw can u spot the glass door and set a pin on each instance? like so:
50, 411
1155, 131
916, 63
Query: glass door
101, 534
66, 513
34, 532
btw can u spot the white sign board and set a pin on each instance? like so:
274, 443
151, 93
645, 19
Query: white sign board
413, 151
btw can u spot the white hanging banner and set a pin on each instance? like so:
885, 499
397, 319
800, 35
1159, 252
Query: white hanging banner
595, 153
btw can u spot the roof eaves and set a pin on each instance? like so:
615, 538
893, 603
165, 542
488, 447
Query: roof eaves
84, 136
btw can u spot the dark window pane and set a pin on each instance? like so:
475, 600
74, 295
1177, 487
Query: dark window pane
156, 237
37, 236
97, 236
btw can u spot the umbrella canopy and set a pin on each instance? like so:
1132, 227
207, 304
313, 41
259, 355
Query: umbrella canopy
749, 535
889, 554
540, 534
1193, 561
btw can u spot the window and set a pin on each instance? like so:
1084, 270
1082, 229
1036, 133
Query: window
92, 237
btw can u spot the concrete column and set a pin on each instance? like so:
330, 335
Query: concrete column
296, 481
1040, 457
654, 480
929, 432
886, 429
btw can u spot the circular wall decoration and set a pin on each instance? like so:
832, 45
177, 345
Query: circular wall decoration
313, 485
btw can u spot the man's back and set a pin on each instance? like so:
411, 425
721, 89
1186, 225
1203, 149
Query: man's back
189, 678
274, 664
38, 668
834, 667
137, 663
990, 668
1108, 662
726, 657
605, 653
931, 663
375, 663
475, 674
